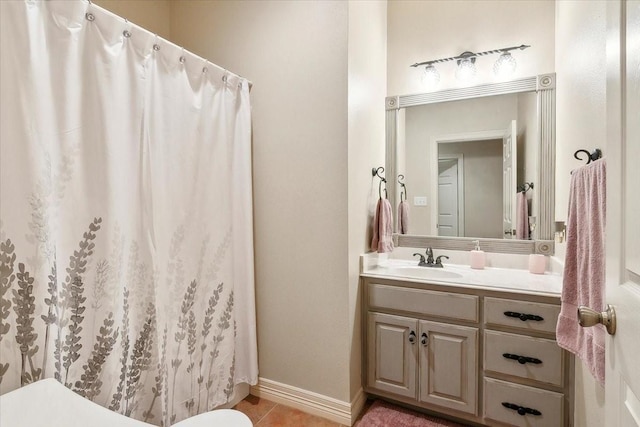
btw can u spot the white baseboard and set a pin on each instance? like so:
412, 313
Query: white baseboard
312, 403
357, 404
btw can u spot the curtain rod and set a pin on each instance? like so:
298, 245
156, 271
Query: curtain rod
156, 47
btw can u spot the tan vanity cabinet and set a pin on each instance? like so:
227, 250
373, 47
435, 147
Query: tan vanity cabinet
449, 366
392, 353
480, 355
422, 345
537, 359
534, 408
526, 374
524, 316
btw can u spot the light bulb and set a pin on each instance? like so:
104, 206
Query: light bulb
466, 69
505, 65
430, 76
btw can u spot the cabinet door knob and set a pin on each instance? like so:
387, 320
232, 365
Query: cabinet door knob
522, 359
523, 316
412, 337
425, 339
521, 410
588, 317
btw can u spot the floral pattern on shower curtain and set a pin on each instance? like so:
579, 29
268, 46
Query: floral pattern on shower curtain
126, 251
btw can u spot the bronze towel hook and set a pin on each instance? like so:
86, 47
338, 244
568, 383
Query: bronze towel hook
525, 187
591, 157
404, 187
377, 172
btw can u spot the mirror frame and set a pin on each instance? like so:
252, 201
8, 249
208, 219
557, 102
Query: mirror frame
544, 190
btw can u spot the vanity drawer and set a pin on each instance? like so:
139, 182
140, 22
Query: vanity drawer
548, 404
434, 303
537, 317
544, 351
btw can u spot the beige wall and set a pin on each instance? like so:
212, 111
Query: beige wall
423, 30
581, 92
367, 90
295, 53
581, 115
152, 15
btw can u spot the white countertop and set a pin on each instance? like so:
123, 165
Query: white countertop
462, 275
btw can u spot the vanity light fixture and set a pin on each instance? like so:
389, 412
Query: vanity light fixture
466, 66
431, 76
504, 66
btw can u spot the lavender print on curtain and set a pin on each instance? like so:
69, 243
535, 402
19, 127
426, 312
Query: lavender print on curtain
126, 230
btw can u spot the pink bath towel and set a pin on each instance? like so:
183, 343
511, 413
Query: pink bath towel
522, 216
403, 217
382, 228
584, 268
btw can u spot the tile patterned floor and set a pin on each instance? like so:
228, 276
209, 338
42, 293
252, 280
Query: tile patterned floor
264, 413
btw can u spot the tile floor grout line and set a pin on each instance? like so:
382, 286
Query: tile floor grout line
265, 415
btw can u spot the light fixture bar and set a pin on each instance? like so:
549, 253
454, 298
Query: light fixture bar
465, 55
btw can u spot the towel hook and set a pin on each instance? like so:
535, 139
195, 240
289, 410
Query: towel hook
525, 187
404, 187
377, 172
591, 157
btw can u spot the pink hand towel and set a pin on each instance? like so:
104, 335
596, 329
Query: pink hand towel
584, 268
522, 216
382, 229
403, 217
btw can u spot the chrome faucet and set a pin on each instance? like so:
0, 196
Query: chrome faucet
438, 263
429, 257
422, 262
428, 261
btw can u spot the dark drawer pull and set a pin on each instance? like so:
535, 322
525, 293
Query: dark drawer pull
522, 359
521, 410
523, 316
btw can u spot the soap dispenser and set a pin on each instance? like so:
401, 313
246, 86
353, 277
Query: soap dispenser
478, 257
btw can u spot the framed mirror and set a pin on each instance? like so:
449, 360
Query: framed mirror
464, 154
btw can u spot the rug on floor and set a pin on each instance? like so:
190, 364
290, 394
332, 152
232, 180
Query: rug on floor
383, 414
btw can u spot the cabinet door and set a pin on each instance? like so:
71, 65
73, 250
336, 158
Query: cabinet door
449, 366
392, 353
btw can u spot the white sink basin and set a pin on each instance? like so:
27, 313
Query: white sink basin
424, 272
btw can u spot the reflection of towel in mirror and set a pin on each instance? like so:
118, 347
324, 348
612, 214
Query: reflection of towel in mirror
403, 217
583, 282
382, 228
522, 216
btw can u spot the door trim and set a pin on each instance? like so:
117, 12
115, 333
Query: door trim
460, 181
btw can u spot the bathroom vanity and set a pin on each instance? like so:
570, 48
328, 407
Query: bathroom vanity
477, 345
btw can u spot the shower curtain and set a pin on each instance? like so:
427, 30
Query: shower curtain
126, 246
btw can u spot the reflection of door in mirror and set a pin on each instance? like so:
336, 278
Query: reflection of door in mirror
450, 196
480, 186
509, 168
